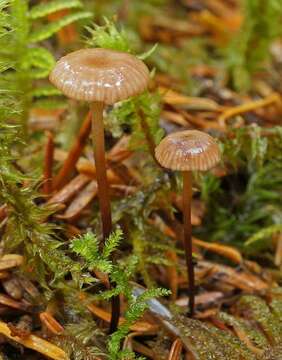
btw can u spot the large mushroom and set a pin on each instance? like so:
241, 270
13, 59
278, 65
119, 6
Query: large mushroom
101, 77
188, 151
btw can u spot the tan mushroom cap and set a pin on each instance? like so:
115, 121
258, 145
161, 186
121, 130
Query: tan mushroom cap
187, 151
100, 75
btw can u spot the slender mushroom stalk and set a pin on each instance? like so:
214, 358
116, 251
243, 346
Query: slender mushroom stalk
103, 186
101, 171
187, 226
101, 77
188, 151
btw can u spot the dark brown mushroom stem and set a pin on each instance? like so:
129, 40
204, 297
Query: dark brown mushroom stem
115, 314
187, 197
103, 190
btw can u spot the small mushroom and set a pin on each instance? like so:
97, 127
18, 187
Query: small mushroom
101, 77
188, 151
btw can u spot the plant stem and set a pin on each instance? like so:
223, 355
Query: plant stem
148, 136
145, 127
187, 197
103, 190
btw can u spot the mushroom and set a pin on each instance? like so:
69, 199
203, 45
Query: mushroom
101, 77
188, 151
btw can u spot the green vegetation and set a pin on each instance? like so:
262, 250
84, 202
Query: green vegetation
120, 274
265, 337
249, 50
22, 52
246, 205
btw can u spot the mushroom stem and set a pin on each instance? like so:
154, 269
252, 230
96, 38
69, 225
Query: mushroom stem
187, 197
101, 172
103, 189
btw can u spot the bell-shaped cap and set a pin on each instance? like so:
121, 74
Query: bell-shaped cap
187, 151
100, 75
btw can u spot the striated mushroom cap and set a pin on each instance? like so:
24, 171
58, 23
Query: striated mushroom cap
100, 75
188, 150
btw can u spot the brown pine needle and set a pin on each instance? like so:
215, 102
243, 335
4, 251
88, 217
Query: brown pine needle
278, 253
140, 326
243, 337
35, 343
3, 212
69, 190
174, 98
250, 106
10, 260
175, 351
67, 34
48, 164
51, 323
80, 202
172, 274
228, 252
74, 154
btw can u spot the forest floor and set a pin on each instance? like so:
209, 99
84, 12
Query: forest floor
216, 68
